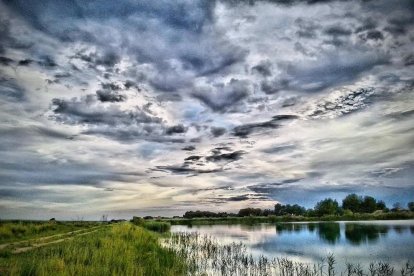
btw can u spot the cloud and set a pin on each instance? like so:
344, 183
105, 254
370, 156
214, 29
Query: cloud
217, 131
109, 96
177, 129
217, 156
168, 120
342, 103
87, 111
221, 98
246, 129
11, 91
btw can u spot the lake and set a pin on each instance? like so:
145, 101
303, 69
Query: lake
355, 242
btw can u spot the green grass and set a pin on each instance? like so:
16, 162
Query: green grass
121, 249
22, 230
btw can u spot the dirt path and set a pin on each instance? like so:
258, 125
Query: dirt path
38, 241
37, 245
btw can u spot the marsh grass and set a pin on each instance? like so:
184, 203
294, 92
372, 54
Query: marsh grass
121, 249
153, 225
205, 256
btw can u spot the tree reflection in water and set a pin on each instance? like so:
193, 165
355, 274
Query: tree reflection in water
359, 233
329, 231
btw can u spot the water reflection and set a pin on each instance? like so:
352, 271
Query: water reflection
360, 233
356, 242
355, 233
330, 232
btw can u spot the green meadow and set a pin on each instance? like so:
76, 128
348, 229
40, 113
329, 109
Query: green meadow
118, 249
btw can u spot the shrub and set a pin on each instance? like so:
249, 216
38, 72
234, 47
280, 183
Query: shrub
157, 226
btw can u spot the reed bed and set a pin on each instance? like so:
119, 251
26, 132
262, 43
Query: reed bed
206, 256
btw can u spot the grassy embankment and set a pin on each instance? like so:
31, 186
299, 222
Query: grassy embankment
119, 249
274, 219
12, 231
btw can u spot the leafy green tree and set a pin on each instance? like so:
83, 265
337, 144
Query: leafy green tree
381, 205
250, 212
352, 202
410, 206
327, 206
369, 204
281, 210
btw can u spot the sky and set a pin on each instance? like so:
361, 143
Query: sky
159, 107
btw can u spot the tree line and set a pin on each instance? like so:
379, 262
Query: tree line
351, 204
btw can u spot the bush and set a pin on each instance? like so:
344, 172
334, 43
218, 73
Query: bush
138, 221
157, 226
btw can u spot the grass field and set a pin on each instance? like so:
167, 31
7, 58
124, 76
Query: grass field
119, 249
11, 231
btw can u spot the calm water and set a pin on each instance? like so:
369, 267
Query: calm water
356, 242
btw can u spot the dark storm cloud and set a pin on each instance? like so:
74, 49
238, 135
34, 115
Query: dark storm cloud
107, 59
221, 98
58, 17
86, 111
47, 61
184, 169
246, 129
337, 30
193, 158
306, 28
5, 61
375, 35
25, 62
189, 148
109, 96
409, 60
111, 86
217, 156
264, 68
243, 197
177, 129
217, 131
274, 86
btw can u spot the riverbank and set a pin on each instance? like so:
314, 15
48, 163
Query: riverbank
274, 219
119, 249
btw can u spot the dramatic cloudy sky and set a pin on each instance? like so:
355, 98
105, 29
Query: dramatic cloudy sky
158, 107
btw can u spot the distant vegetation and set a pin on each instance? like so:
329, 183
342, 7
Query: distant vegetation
353, 206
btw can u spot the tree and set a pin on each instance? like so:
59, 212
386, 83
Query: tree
327, 206
250, 212
369, 204
352, 202
381, 205
282, 210
410, 206
396, 207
